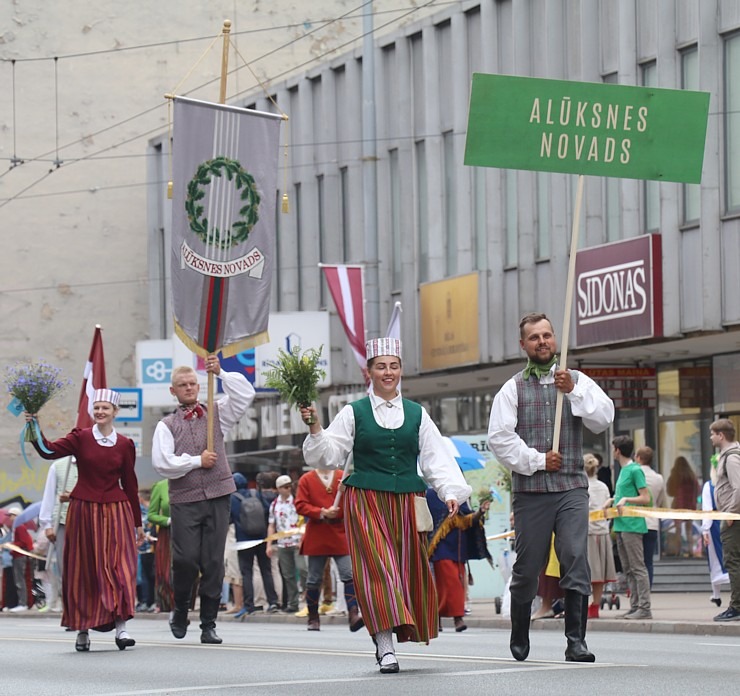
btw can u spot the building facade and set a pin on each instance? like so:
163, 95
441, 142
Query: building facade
469, 250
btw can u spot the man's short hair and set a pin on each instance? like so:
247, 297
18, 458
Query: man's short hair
532, 318
625, 444
179, 370
645, 455
266, 479
724, 426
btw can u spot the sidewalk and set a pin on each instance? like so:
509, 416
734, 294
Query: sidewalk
673, 612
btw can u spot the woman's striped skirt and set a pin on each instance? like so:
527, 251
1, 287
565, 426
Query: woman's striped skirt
393, 580
99, 583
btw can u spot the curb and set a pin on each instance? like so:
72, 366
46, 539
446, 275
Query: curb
708, 628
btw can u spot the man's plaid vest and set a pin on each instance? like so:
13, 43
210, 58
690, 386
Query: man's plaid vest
190, 438
536, 416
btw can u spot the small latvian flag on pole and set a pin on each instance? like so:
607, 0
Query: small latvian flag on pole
223, 224
347, 288
93, 378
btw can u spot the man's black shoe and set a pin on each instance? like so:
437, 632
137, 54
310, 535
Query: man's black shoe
519, 642
179, 623
729, 614
209, 637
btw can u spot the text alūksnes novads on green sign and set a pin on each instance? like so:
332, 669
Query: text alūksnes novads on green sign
586, 128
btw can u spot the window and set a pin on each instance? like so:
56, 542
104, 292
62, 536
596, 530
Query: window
690, 80
542, 251
344, 211
277, 275
512, 218
732, 123
395, 199
324, 254
298, 239
480, 239
450, 201
651, 189
422, 210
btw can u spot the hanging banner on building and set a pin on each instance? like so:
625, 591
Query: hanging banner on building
619, 291
586, 128
449, 322
223, 224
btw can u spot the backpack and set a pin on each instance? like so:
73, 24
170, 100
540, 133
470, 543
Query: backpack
252, 518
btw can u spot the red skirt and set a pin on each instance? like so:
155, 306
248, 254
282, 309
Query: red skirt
99, 583
449, 576
393, 579
163, 570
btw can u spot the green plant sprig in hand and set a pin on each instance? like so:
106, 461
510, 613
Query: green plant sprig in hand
295, 376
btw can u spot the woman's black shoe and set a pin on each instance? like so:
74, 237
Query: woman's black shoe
82, 642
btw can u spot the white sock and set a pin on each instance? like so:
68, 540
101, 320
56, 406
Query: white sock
120, 628
384, 639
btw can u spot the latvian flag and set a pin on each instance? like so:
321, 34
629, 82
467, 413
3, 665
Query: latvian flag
93, 378
346, 284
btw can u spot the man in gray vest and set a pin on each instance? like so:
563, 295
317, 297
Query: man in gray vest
200, 486
60, 480
550, 489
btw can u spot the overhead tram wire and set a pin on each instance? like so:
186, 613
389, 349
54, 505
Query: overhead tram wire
209, 82
291, 167
195, 89
246, 32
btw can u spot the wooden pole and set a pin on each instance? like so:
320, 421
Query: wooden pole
568, 308
224, 61
221, 100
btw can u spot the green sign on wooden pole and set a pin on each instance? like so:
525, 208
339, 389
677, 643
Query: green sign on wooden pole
586, 128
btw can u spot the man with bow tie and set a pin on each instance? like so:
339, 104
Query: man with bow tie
200, 487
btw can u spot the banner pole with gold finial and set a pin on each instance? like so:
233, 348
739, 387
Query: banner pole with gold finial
221, 100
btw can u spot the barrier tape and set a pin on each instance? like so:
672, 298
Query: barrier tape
243, 545
653, 513
661, 514
18, 549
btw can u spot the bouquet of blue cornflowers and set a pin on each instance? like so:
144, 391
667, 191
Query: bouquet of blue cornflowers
295, 376
32, 386
35, 384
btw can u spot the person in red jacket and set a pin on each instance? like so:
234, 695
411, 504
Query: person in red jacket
22, 539
99, 581
325, 538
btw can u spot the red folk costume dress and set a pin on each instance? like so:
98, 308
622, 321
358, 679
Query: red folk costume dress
99, 582
323, 537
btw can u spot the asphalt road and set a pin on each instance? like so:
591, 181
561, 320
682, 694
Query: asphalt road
37, 657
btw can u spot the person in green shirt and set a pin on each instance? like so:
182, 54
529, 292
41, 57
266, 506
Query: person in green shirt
631, 489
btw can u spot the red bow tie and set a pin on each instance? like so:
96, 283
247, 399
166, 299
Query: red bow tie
195, 412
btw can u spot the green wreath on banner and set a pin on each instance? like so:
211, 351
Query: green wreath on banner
243, 182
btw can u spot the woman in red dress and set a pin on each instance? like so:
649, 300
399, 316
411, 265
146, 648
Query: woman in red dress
99, 581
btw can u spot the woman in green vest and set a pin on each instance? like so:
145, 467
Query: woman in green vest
391, 440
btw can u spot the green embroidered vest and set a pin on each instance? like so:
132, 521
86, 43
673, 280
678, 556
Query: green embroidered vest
385, 459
